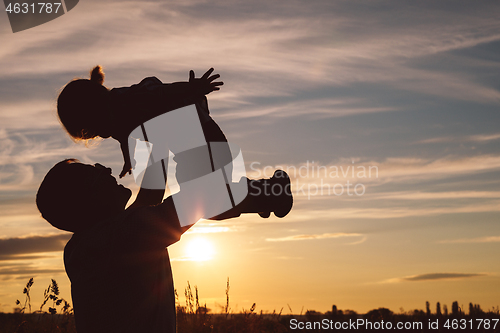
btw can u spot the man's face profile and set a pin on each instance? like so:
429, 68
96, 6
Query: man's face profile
104, 188
76, 196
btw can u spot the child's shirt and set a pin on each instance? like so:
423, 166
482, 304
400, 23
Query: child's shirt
134, 105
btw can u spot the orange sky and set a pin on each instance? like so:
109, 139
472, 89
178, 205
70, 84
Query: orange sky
409, 91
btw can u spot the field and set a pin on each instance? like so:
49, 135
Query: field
195, 318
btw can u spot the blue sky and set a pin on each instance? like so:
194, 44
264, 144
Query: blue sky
409, 88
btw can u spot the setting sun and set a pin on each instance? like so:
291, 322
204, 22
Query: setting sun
199, 249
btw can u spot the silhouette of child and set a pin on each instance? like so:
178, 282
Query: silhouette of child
88, 110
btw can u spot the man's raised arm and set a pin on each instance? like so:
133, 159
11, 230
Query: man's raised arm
151, 197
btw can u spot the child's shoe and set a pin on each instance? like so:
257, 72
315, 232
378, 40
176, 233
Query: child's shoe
264, 196
269, 195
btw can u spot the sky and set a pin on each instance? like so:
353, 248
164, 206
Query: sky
384, 113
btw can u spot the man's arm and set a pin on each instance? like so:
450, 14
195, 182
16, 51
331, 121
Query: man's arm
151, 197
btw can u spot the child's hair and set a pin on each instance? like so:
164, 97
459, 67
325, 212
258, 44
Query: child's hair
81, 106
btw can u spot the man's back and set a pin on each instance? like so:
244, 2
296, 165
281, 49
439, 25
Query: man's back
120, 273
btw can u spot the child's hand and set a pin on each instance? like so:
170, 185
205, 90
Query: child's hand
205, 84
127, 168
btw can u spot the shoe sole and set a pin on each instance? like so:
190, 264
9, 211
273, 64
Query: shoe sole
284, 180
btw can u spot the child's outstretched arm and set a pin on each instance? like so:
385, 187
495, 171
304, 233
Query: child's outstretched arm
204, 85
194, 88
170, 96
162, 98
129, 162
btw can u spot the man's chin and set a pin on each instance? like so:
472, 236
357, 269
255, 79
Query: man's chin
127, 191
127, 194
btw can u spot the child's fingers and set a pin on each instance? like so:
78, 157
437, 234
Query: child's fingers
207, 74
213, 77
125, 171
191, 75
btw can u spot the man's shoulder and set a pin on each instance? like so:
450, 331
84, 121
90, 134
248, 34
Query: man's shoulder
98, 234
159, 223
143, 225
164, 210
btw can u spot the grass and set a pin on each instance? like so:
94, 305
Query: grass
55, 315
58, 317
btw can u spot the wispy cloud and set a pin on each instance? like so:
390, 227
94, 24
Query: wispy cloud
318, 108
389, 212
317, 236
418, 195
317, 79
288, 258
486, 239
395, 169
25, 156
485, 137
15, 248
435, 277
419, 168
290, 45
22, 272
470, 138
442, 276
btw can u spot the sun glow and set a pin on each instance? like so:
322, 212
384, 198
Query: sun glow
199, 249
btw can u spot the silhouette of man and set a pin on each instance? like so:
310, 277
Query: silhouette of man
116, 260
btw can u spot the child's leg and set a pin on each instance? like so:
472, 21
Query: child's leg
264, 195
213, 133
216, 155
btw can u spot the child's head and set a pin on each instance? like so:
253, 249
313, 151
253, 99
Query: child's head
82, 109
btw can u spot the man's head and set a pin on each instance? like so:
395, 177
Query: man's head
75, 196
